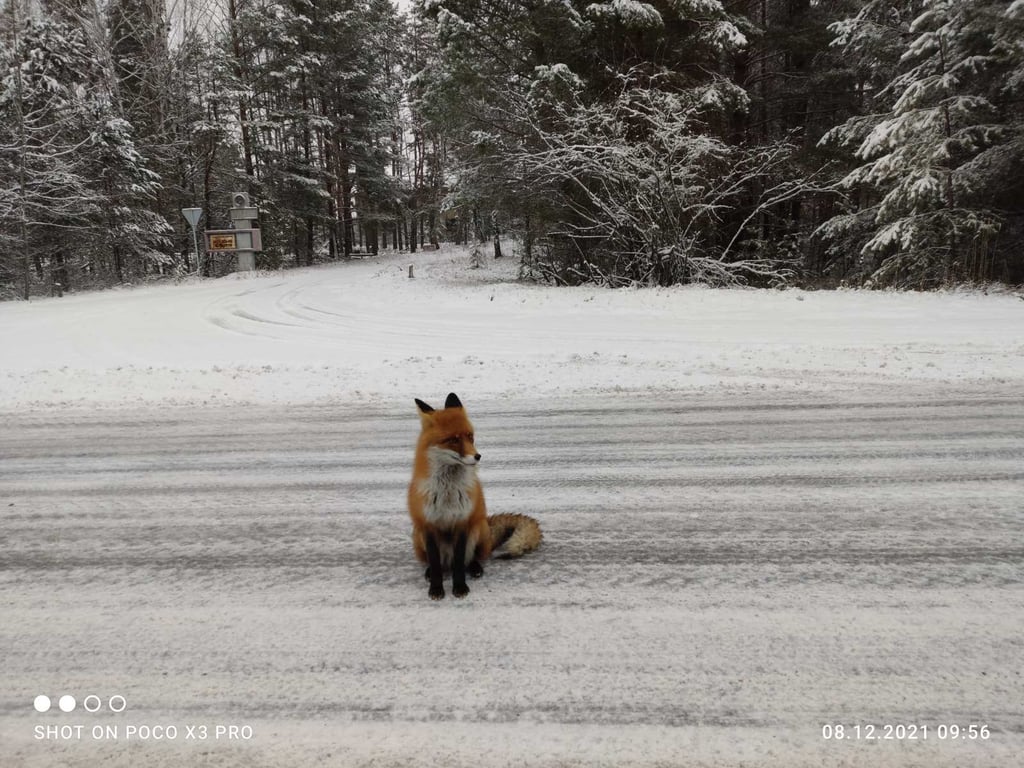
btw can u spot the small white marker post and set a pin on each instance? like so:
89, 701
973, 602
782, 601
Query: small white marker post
192, 216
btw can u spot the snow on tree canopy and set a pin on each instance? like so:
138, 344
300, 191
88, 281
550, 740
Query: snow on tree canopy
934, 138
629, 13
713, 19
725, 35
554, 79
692, 9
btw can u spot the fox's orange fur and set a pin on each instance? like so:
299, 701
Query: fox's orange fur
446, 502
449, 430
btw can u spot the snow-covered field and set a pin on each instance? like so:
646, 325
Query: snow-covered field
364, 332
765, 513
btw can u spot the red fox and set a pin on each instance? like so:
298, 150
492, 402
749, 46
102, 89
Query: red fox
450, 526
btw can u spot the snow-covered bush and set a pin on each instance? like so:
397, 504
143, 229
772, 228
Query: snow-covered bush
637, 190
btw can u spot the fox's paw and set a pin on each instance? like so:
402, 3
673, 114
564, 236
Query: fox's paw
436, 593
474, 569
460, 590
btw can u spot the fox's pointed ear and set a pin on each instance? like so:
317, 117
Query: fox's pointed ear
424, 408
452, 401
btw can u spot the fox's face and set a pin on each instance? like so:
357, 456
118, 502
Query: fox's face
448, 434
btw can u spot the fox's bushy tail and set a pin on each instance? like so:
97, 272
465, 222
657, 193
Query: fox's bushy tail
513, 535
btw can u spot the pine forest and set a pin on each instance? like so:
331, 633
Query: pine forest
765, 143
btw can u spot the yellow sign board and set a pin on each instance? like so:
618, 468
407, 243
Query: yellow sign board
222, 243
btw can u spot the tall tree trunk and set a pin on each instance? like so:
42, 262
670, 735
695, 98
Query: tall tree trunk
243, 112
346, 198
763, 85
60, 273
307, 154
951, 254
328, 144
19, 118
527, 240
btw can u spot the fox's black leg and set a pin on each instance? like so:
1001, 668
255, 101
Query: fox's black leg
459, 588
434, 572
474, 569
426, 573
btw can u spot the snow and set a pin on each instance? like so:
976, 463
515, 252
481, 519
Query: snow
365, 333
720, 577
630, 13
764, 512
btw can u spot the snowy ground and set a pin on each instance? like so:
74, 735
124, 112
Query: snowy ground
365, 333
764, 513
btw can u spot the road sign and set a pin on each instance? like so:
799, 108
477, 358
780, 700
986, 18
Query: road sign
192, 215
234, 240
223, 242
244, 214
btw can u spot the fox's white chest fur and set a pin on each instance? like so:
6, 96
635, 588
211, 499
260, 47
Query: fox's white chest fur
447, 493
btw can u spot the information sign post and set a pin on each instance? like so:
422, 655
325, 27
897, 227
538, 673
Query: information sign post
244, 239
192, 216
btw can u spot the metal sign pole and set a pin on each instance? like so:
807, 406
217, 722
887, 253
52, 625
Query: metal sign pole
199, 261
192, 217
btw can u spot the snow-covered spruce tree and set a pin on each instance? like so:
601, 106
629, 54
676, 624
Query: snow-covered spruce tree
143, 84
135, 237
139, 55
155, 107
13, 234
992, 177
921, 215
46, 201
612, 156
129, 150
80, 186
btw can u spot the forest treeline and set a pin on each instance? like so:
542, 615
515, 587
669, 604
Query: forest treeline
759, 142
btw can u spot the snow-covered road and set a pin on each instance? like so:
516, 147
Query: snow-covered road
721, 578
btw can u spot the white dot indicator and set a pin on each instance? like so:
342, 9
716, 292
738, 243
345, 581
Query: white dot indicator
42, 703
92, 703
121, 703
67, 703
